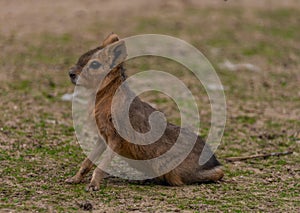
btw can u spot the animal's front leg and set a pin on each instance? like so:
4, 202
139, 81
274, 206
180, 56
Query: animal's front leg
99, 174
85, 167
87, 164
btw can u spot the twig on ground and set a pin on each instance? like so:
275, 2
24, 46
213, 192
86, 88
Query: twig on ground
233, 159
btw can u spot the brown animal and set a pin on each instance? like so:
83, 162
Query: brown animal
187, 172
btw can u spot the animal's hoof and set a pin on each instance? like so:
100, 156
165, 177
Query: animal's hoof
92, 187
72, 180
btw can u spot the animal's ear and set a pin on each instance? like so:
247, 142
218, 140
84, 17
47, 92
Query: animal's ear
117, 53
111, 38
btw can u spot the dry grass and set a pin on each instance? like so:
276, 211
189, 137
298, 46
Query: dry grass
39, 40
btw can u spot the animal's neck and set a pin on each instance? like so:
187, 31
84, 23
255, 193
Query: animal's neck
107, 91
109, 88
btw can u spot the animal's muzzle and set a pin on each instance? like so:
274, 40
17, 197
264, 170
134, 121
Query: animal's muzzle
73, 75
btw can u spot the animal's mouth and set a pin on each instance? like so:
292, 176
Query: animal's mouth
74, 80
79, 82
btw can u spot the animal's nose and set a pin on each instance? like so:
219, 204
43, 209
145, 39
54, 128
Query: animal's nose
72, 74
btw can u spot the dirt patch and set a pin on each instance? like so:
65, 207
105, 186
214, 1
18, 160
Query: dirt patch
40, 40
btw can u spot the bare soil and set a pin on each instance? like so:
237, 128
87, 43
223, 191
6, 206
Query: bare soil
40, 40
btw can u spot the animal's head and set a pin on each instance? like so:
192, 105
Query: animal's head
99, 61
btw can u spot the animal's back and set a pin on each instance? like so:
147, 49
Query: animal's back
189, 170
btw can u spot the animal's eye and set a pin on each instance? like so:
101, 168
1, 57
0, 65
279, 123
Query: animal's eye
95, 65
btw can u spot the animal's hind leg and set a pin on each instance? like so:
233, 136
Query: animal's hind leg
213, 174
87, 164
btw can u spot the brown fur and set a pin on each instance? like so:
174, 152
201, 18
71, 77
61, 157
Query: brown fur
189, 171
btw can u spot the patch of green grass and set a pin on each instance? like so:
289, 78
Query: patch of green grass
246, 119
156, 25
238, 172
224, 38
61, 39
67, 130
45, 55
273, 124
23, 85
282, 15
263, 48
289, 32
38, 151
52, 50
161, 100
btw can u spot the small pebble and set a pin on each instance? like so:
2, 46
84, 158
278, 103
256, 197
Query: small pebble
86, 206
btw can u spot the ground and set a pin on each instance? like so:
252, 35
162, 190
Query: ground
40, 40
